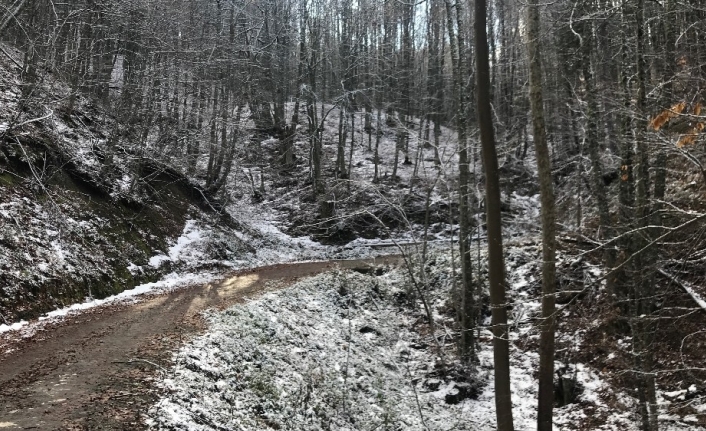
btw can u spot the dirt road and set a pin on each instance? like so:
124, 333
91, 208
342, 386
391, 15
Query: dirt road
93, 371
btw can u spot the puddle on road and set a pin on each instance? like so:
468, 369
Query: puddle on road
7, 424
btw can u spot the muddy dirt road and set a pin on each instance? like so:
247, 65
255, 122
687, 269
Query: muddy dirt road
94, 371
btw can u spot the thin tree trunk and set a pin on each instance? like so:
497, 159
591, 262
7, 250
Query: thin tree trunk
544, 171
227, 163
496, 264
341, 150
376, 156
399, 138
350, 155
368, 126
644, 264
467, 318
593, 147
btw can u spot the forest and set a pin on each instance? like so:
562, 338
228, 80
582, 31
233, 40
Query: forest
537, 169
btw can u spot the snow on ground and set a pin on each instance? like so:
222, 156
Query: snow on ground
188, 254
183, 248
599, 403
338, 351
265, 234
167, 283
332, 352
271, 244
13, 327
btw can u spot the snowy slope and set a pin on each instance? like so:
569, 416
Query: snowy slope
344, 351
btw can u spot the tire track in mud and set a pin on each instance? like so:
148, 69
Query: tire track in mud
93, 371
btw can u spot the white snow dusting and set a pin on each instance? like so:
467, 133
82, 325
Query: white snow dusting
337, 351
13, 327
331, 352
183, 248
170, 281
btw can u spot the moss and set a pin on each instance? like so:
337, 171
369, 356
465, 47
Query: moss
119, 232
7, 179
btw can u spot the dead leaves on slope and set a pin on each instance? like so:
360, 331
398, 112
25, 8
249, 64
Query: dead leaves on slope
678, 120
660, 120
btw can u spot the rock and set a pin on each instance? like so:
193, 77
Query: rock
369, 330
458, 392
432, 384
566, 388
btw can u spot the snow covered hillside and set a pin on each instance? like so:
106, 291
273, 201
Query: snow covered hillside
347, 351
89, 210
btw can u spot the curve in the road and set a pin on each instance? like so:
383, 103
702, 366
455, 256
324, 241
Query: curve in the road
92, 371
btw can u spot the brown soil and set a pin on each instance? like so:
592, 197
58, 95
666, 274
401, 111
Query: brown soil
94, 371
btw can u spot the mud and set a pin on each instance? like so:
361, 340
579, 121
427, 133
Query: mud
95, 370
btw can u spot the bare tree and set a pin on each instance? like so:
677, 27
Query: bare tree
544, 170
496, 261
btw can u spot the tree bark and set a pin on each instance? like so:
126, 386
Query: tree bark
593, 146
544, 171
376, 155
644, 264
340, 151
496, 263
466, 315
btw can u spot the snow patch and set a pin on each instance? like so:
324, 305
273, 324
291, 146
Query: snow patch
331, 352
13, 327
184, 247
170, 281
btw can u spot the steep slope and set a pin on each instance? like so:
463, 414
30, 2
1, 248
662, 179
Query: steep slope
73, 225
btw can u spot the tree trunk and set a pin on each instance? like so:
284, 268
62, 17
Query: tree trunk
229, 155
496, 263
544, 171
644, 264
593, 146
342, 136
467, 315
350, 154
376, 155
399, 142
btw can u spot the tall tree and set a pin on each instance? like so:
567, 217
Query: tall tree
644, 285
467, 300
496, 261
587, 42
544, 171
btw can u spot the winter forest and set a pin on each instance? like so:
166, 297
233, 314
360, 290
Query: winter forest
352, 215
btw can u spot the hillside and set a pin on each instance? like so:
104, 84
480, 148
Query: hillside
369, 215
90, 229
69, 231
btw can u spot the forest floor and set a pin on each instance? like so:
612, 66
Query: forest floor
94, 370
114, 361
